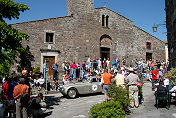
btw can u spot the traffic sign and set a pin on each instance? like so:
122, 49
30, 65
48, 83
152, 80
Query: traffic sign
47, 69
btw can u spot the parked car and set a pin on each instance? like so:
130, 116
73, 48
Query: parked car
72, 90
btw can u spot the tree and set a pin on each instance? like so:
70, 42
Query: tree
26, 58
10, 38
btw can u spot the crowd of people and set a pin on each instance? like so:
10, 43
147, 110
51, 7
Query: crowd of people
97, 66
16, 96
123, 74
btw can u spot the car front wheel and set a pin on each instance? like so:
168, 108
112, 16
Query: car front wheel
72, 93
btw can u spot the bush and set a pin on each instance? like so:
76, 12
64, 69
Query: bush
112, 109
37, 70
119, 94
172, 74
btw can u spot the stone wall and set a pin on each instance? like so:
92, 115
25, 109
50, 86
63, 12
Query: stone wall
78, 36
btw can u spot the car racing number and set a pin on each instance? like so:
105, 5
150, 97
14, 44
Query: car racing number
94, 87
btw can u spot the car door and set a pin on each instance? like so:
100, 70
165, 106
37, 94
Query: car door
84, 88
95, 87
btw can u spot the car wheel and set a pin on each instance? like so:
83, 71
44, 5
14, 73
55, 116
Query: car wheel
72, 93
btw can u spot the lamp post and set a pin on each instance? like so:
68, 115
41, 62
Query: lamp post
155, 27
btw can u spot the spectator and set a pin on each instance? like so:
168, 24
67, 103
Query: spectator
120, 79
20, 89
5, 86
108, 63
5, 93
160, 87
36, 82
73, 67
154, 77
56, 85
38, 105
124, 62
104, 64
168, 82
49, 84
114, 63
83, 69
65, 78
10, 88
24, 71
173, 90
107, 80
89, 63
99, 63
63, 68
41, 82
132, 80
161, 75
78, 70
55, 74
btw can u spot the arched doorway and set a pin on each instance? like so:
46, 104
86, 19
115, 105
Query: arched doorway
105, 46
104, 53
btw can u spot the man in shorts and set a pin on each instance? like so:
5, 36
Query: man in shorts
107, 80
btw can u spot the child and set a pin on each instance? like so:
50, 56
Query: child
56, 85
65, 78
36, 83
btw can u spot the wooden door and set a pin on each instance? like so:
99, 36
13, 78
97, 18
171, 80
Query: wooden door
50, 60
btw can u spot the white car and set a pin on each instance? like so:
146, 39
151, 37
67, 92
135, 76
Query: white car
72, 90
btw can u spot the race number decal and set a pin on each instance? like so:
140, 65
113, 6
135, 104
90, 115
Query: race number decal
94, 87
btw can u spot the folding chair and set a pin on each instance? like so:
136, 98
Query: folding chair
163, 96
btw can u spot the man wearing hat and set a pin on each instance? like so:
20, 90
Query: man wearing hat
132, 80
19, 90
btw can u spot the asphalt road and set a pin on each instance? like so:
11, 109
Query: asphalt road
148, 110
60, 107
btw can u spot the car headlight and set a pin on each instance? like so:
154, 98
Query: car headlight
62, 89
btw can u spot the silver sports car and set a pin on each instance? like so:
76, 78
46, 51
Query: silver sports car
72, 90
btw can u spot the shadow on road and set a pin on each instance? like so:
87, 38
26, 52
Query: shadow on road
92, 94
52, 100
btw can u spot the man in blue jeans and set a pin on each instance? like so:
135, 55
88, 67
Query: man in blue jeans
55, 67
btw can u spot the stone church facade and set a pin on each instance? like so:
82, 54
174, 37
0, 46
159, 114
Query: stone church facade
88, 31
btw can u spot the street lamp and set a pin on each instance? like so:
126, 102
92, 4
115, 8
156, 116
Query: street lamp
155, 27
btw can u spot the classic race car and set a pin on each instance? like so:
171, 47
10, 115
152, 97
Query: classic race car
72, 90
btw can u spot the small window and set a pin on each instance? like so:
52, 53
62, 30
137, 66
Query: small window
103, 20
107, 21
148, 45
49, 37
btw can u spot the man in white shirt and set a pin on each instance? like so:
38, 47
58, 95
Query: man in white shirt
108, 63
120, 79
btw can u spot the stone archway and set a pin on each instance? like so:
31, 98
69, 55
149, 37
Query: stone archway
105, 46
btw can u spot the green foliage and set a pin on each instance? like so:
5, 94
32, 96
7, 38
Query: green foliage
112, 109
172, 74
10, 38
119, 94
36, 70
26, 58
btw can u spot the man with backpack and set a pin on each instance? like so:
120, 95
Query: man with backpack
21, 96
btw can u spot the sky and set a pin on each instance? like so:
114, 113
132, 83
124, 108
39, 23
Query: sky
144, 13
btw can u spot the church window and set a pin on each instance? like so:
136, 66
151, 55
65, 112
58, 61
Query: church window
49, 37
107, 21
148, 45
103, 20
